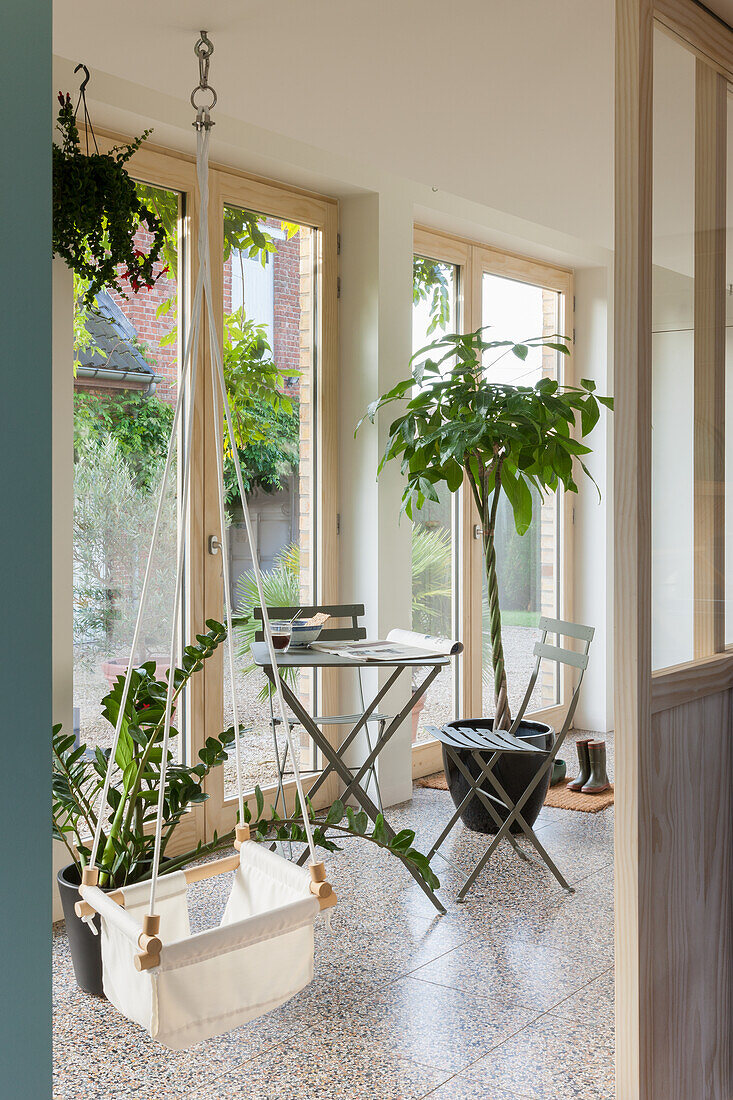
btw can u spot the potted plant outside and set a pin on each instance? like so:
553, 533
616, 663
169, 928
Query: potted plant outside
127, 841
459, 427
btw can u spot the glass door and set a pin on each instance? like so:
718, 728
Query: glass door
459, 286
274, 286
529, 565
435, 530
127, 359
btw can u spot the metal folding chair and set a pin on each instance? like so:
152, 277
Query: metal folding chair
487, 747
353, 632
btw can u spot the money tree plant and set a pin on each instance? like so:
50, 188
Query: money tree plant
458, 425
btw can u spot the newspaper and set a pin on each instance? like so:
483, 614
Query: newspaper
399, 645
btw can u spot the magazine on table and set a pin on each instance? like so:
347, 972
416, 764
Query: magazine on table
399, 645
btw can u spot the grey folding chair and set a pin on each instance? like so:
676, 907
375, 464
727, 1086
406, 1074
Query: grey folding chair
353, 632
487, 747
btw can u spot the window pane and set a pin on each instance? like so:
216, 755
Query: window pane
125, 391
433, 532
270, 302
527, 565
673, 353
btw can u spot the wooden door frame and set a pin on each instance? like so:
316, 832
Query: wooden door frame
304, 208
159, 167
472, 259
673, 864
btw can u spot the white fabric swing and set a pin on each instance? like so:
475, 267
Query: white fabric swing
181, 988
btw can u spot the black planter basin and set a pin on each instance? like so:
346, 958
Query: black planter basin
514, 772
85, 947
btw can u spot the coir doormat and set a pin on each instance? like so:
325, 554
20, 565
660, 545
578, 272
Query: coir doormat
558, 797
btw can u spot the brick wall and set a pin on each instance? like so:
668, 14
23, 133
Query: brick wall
140, 309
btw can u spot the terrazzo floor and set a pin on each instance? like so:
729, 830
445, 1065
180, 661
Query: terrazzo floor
510, 995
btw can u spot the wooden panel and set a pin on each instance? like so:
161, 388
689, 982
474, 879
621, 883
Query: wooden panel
524, 269
693, 680
632, 528
686, 786
709, 433
441, 246
705, 35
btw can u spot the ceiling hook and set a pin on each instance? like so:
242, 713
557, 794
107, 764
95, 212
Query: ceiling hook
86, 79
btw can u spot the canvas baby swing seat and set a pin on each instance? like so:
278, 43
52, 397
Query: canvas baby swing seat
260, 956
185, 988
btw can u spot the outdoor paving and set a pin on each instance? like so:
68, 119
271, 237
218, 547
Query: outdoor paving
508, 995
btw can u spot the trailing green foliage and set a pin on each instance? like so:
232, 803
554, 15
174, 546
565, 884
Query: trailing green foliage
338, 821
97, 212
127, 840
139, 424
430, 284
459, 424
264, 416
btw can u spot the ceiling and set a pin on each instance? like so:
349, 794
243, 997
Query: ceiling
505, 104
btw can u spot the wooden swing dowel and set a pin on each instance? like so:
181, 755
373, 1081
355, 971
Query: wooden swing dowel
321, 889
318, 871
90, 876
149, 945
146, 961
241, 834
151, 924
210, 870
84, 909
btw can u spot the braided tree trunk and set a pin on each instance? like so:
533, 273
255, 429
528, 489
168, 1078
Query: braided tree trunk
502, 714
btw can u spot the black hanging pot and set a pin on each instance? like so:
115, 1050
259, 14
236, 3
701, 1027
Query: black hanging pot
514, 771
85, 947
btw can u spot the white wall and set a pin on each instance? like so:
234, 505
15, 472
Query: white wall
375, 335
593, 535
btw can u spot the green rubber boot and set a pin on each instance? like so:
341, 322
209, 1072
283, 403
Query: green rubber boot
598, 780
559, 771
583, 765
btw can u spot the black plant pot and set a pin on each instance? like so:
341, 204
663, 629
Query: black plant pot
85, 947
514, 772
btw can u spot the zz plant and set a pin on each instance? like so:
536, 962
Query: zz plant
459, 425
127, 841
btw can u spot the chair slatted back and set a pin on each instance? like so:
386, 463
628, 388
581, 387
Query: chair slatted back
564, 656
354, 632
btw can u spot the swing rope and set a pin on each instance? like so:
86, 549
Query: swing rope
187, 388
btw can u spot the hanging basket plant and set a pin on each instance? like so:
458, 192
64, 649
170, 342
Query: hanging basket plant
97, 211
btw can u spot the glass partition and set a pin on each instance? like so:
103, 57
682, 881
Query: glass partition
673, 352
